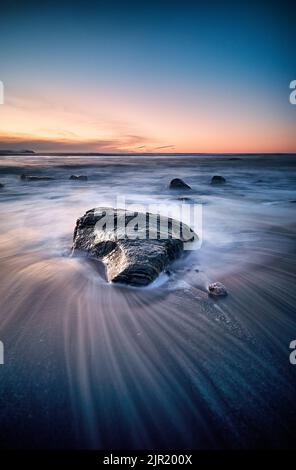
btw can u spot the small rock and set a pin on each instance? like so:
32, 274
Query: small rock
218, 180
216, 289
36, 178
1, 185
81, 177
184, 198
177, 183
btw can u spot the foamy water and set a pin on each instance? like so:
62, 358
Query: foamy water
89, 364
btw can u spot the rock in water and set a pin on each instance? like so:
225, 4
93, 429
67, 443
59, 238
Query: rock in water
134, 247
216, 289
218, 180
177, 183
1, 185
184, 198
81, 178
36, 178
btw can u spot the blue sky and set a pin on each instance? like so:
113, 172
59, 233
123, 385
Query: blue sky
107, 75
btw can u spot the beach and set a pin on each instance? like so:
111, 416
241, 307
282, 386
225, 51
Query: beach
92, 365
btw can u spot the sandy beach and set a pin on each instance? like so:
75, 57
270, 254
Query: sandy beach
92, 365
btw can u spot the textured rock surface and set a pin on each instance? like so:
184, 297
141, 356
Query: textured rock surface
81, 177
177, 183
218, 180
128, 260
216, 289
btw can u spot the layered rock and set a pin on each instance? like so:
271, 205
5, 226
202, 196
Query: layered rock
134, 247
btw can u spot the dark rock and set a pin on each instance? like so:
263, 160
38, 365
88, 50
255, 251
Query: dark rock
36, 178
130, 260
218, 180
177, 183
1, 185
216, 289
184, 198
81, 178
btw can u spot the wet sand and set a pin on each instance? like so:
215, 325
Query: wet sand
92, 365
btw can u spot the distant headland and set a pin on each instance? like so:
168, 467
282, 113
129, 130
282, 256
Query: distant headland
17, 152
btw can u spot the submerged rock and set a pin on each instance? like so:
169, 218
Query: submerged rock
216, 289
36, 178
177, 183
1, 185
218, 180
184, 198
110, 235
81, 178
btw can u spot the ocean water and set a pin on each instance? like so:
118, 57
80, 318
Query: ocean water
92, 365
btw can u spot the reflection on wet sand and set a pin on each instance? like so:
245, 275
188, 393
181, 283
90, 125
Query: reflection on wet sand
93, 365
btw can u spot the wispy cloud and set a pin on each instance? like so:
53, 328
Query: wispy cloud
165, 147
68, 142
39, 125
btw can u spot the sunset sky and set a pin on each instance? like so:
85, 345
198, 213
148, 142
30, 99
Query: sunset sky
165, 76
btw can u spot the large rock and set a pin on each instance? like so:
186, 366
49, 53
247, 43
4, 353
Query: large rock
177, 183
131, 260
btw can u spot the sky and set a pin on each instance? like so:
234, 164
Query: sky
148, 76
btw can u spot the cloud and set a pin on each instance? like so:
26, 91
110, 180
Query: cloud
164, 147
68, 142
63, 145
40, 125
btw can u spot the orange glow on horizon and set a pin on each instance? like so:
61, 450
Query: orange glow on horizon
124, 126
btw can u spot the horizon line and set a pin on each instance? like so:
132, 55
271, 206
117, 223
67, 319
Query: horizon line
7, 152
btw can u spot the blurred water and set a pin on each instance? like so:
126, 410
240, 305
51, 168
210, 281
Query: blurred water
88, 364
